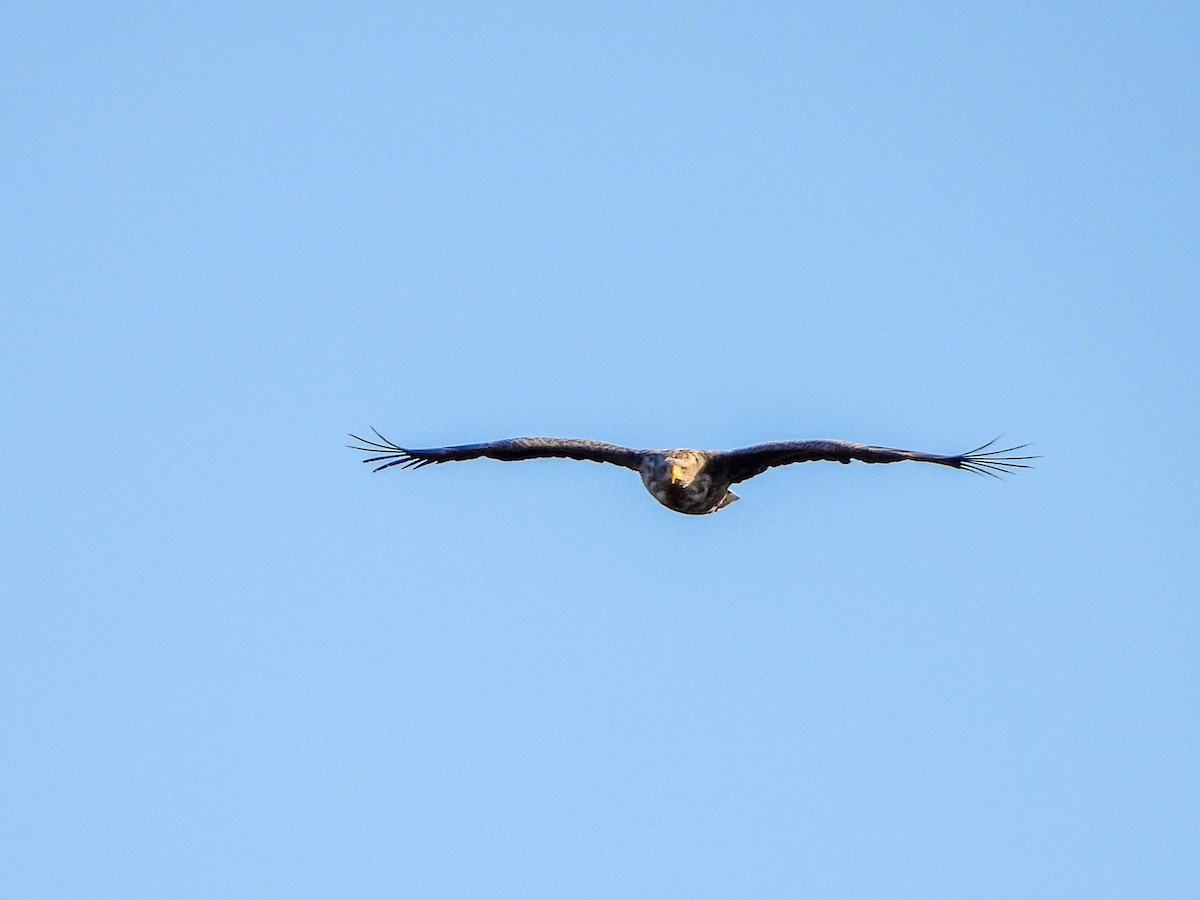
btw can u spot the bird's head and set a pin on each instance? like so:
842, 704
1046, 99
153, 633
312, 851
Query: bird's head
682, 466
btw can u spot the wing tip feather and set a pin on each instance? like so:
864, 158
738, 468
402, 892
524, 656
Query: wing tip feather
393, 455
996, 463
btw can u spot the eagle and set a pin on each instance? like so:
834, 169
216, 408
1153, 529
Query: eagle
693, 482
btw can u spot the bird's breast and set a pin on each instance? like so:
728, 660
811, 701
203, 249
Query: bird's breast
696, 497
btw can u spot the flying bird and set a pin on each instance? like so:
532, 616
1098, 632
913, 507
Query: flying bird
694, 482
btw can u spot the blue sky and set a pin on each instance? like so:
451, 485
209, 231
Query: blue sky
235, 663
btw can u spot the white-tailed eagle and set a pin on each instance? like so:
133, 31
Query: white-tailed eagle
694, 482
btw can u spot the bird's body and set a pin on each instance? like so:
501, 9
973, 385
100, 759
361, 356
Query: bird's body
684, 481
693, 482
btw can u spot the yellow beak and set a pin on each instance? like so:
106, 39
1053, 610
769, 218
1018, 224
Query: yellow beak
676, 474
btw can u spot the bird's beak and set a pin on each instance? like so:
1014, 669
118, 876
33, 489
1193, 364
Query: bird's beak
676, 474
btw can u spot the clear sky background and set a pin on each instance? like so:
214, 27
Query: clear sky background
236, 663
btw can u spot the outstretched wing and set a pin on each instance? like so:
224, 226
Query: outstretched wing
750, 461
389, 454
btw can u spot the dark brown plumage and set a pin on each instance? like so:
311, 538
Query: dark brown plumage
694, 482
